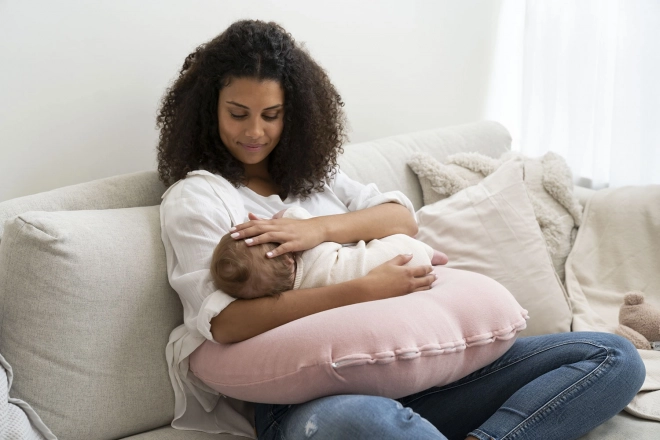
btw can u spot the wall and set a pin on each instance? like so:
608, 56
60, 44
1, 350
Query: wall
80, 82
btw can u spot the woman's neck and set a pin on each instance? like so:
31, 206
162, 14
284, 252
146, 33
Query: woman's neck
258, 180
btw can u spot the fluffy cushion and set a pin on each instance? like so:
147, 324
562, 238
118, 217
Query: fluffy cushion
390, 348
491, 228
86, 299
547, 179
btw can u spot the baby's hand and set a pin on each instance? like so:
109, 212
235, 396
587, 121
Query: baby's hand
439, 258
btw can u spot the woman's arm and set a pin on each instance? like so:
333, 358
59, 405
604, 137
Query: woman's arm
299, 235
243, 319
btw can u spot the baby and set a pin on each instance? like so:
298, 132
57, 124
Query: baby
244, 272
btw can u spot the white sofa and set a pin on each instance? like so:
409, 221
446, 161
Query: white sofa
86, 308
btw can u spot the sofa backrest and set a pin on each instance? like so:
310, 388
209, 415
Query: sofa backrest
383, 161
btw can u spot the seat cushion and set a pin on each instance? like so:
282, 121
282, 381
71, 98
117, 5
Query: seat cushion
87, 311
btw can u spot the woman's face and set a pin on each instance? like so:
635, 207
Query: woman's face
250, 120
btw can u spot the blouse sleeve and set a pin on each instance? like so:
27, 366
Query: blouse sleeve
356, 195
193, 219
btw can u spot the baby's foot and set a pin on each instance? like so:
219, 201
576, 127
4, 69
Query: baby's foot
439, 258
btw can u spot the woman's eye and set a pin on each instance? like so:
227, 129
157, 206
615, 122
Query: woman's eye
237, 116
270, 117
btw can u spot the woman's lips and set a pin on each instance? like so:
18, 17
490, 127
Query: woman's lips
251, 147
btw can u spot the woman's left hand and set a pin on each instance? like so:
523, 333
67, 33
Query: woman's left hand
293, 235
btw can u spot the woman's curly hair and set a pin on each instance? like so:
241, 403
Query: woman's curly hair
314, 123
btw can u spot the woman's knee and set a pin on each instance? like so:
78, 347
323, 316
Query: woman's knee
628, 359
626, 371
358, 416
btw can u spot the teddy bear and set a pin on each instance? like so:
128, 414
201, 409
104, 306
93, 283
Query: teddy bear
639, 322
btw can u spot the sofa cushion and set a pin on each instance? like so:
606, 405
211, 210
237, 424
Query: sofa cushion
383, 161
391, 348
87, 310
124, 191
547, 179
491, 228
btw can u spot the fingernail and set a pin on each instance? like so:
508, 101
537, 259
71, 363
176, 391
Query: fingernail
248, 240
234, 235
232, 229
270, 254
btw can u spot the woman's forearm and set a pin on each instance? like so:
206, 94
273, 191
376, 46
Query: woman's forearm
243, 319
368, 224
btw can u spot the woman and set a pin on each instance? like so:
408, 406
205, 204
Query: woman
253, 114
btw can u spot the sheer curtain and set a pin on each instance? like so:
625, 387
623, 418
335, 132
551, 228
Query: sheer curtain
582, 78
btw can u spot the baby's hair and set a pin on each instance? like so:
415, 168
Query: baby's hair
241, 270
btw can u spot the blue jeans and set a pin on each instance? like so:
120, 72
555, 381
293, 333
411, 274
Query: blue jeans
557, 386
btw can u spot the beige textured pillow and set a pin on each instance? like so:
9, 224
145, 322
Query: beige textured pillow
491, 228
547, 179
87, 302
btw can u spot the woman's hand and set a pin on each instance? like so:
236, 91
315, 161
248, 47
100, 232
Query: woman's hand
392, 279
293, 235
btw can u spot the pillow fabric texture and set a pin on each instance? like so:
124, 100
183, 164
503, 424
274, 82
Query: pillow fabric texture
86, 299
491, 228
391, 348
547, 179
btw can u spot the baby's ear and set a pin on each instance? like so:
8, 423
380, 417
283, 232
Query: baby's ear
289, 258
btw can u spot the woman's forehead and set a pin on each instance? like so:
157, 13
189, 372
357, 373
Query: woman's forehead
252, 93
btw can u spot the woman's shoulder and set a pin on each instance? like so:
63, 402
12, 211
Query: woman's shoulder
204, 191
200, 184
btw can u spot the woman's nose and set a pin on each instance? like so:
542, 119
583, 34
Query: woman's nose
254, 129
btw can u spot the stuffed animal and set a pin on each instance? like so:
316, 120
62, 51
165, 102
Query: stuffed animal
639, 322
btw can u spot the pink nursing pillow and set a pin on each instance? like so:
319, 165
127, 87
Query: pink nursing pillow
389, 348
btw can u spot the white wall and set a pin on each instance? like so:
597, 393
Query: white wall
80, 81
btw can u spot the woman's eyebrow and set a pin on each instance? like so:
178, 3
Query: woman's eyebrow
273, 107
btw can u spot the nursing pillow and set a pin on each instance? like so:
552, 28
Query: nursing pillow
391, 348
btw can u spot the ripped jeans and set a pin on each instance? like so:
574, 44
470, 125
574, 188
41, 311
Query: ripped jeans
557, 386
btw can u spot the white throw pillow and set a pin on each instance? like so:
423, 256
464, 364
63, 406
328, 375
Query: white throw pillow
491, 228
547, 179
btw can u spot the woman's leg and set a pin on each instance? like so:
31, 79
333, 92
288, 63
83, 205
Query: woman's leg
545, 387
354, 417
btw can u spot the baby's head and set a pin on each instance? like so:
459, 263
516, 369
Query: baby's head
244, 272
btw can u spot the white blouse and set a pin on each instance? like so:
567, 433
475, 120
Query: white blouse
194, 214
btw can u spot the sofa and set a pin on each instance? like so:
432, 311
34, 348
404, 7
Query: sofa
86, 307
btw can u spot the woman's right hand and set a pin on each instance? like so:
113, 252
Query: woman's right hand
392, 279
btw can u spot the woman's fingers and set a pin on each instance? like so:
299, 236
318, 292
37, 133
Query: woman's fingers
292, 235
